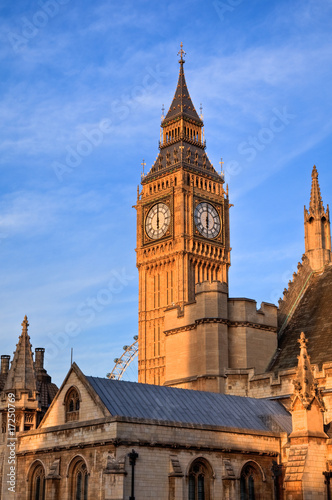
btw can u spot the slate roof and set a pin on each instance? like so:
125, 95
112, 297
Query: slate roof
313, 316
130, 399
182, 103
203, 163
47, 393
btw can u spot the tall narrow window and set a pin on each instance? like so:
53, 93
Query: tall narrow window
191, 488
37, 483
79, 480
250, 482
169, 287
158, 341
72, 404
154, 340
156, 291
199, 481
172, 299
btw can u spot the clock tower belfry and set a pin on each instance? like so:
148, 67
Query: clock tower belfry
182, 228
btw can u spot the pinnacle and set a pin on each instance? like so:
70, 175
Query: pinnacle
21, 375
25, 324
314, 172
305, 385
316, 202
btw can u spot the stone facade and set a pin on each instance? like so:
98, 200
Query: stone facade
166, 452
214, 333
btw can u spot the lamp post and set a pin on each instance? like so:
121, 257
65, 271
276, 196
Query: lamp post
328, 475
132, 461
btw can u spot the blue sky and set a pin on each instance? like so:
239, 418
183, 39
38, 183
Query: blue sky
82, 88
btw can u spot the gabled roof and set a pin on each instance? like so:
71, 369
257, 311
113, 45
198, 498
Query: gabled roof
136, 400
313, 316
58, 399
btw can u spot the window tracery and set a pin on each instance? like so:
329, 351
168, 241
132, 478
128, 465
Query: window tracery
37, 483
79, 479
200, 475
72, 405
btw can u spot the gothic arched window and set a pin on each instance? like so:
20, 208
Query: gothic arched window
250, 482
37, 483
79, 479
72, 404
199, 480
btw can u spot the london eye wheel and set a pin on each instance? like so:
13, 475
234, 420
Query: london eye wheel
130, 353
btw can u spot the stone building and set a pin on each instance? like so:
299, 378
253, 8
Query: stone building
233, 401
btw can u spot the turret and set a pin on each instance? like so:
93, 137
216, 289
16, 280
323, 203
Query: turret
317, 228
21, 376
29, 381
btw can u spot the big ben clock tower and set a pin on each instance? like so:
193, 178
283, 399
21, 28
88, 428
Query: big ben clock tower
182, 228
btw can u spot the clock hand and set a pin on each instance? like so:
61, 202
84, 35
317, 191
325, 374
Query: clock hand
157, 216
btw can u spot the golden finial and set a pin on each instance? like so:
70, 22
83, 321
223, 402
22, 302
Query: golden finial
143, 165
181, 53
222, 175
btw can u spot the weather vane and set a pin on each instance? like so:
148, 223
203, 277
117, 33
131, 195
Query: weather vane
221, 171
181, 53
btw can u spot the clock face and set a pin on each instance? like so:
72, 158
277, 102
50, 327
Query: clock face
207, 220
157, 221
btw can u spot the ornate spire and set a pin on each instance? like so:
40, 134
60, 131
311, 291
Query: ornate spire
21, 375
182, 104
305, 385
316, 203
182, 143
317, 227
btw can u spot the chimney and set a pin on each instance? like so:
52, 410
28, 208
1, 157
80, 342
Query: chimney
39, 358
5, 364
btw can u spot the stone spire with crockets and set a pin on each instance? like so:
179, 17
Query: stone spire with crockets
317, 228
